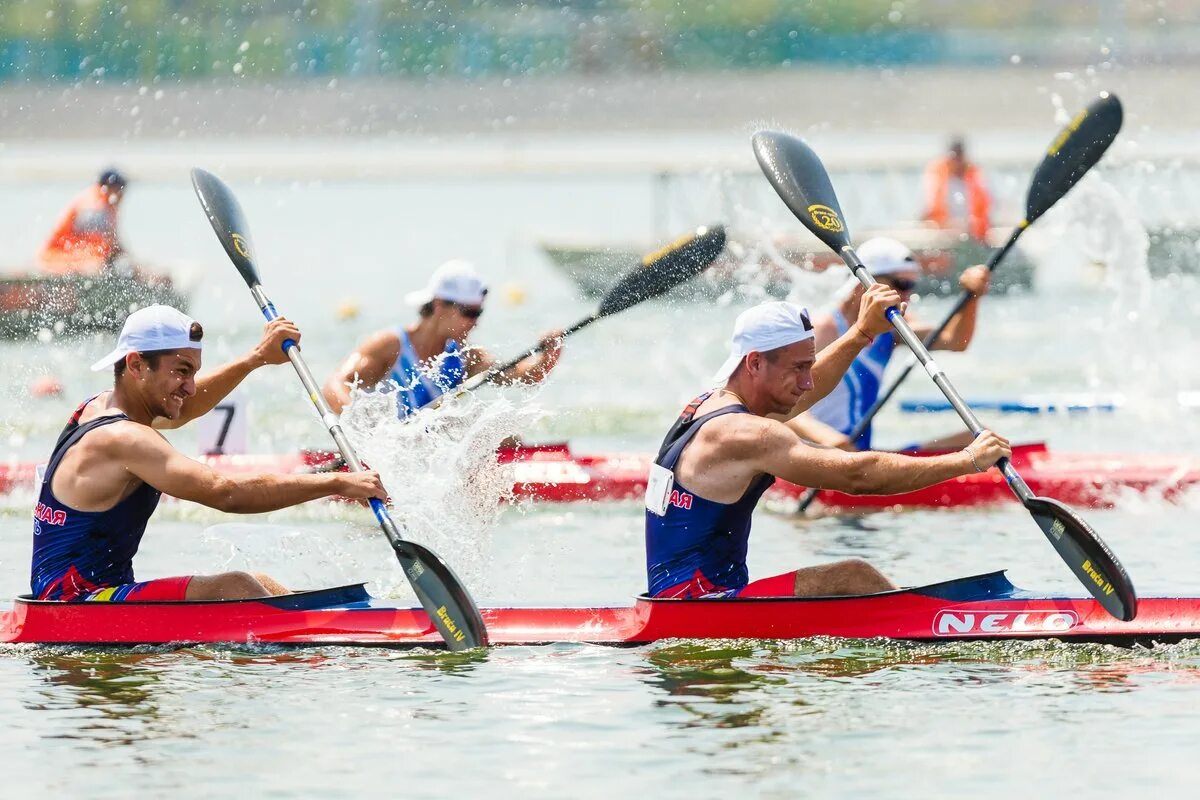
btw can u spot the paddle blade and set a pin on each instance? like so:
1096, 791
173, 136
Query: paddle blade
1087, 555
800, 179
665, 268
228, 221
443, 596
1073, 152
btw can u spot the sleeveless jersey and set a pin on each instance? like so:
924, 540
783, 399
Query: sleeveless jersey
698, 544
76, 552
418, 385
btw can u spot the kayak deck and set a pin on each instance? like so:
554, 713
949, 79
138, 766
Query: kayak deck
982, 607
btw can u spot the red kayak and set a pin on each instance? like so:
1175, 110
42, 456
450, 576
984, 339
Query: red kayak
553, 473
983, 607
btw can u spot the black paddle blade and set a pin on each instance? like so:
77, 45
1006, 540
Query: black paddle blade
228, 221
1073, 152
1087, 555
442, 595
800, 179
665, 268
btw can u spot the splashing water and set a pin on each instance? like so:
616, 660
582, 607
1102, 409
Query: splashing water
440, 467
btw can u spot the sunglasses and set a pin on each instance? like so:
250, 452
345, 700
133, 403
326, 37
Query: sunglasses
899, 284
470, 312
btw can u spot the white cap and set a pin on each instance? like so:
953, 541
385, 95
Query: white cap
151, 328
884, 256
456, 281
763, 328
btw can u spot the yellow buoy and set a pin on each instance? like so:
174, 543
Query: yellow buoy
514, 294
346, 310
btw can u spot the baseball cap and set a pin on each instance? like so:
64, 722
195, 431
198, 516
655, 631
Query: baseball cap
456, 281
763, 328
885, 256
154, 327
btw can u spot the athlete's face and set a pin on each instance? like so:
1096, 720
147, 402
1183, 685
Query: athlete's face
174, 380
457, 320
784, 374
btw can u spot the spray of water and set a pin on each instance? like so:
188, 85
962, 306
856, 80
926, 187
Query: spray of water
440, 466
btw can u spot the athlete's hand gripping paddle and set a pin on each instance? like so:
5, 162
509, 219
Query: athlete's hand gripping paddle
1074, 151
451, 609
800, 179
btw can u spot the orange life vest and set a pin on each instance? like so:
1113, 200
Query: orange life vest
85, 237
937, 198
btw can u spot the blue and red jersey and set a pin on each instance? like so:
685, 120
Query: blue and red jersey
698, 548
76, 553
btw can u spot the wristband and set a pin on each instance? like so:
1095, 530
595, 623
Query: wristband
967, 450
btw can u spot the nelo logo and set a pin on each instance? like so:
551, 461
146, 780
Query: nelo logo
977, 623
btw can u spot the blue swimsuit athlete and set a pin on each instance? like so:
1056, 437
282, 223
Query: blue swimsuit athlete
730, 444
832, 419
110, 466
424, 360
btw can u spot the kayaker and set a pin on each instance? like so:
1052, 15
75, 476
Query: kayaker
431, 356
110, 466
956, 195
729, 444
85, 241
831, 420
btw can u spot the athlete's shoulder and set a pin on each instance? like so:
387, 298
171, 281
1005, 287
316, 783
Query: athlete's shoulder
739, 434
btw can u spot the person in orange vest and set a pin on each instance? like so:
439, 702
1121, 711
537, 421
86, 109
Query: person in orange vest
84, 241
956, 196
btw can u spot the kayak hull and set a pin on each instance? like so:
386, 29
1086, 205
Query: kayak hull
982, 607
554, 474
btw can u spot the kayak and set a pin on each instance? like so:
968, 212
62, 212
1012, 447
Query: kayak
554, 473
1039, 403
982, 607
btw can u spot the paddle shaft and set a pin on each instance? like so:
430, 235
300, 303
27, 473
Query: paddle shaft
330, 420
932, 337
1015, 481
495, 372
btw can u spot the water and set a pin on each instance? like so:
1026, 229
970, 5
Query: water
770, 719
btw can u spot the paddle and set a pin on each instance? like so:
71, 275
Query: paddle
1073, 152
443, 596
800, 179
659, 272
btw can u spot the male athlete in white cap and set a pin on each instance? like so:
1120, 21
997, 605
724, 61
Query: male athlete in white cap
831, 420
729, 445
430, 357
110, 466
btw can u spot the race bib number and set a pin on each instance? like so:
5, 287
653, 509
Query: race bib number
222, 431
658, 489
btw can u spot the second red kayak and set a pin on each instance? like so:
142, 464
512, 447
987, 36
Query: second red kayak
553, 473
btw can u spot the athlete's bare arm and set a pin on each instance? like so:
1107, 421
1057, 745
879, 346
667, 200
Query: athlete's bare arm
215, 385
370, 362
814, 430
148, 457
533, 369
961, 330
773, 448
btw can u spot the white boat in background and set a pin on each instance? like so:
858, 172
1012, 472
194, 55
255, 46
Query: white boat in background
770, 263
